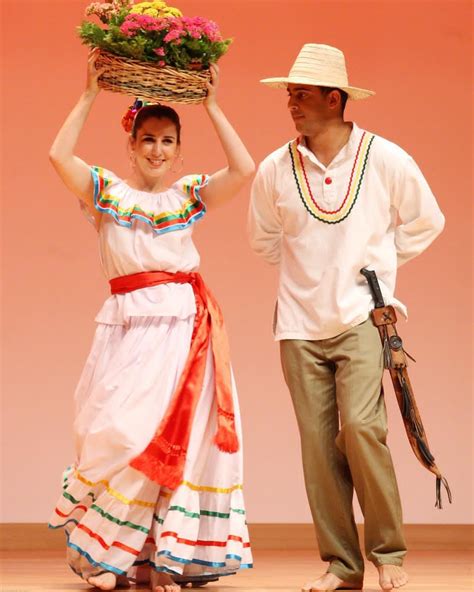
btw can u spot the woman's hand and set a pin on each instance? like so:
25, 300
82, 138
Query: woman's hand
211, 98
225, 183
92, 85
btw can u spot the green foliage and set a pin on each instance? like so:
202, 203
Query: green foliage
114, 41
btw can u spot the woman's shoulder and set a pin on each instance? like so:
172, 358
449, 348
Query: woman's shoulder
190, 185
103, 173
104, 180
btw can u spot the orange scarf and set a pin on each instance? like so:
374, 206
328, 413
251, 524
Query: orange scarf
164, 458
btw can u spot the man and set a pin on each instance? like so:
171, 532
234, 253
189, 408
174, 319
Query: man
325, 205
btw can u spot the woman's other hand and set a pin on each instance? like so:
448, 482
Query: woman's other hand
226, 182
74, 172
212, 85
93, 74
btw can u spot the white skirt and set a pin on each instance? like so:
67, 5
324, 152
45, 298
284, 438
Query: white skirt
115, 518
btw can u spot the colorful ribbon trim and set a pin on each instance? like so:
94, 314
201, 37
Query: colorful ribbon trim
164, 458
151, 541
353, 188
114, 492
192, 210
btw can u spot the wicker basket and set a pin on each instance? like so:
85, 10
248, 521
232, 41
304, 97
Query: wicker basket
147, 80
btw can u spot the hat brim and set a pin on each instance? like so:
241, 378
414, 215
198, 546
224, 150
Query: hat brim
354, 92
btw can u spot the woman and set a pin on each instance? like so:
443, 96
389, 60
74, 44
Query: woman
156, 489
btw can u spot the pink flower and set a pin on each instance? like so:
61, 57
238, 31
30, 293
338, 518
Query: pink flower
175, 27
128, 30
197, 26
161, 63
171, 36
160, 51
133, 22
106, 10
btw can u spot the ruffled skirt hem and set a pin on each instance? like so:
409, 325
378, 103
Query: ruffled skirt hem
192, 531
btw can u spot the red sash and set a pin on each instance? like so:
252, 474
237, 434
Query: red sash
164, 457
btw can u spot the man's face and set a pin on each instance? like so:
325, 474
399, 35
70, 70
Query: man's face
308, 107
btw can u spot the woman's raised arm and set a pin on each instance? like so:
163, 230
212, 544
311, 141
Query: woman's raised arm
225, 183
74, 172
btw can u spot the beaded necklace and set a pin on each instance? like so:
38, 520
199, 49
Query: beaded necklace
353, 188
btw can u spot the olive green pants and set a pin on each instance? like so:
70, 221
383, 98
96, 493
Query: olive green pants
336, 388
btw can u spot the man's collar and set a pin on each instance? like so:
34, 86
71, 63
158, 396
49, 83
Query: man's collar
349, 150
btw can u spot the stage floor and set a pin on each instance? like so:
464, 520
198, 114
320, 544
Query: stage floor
279, 571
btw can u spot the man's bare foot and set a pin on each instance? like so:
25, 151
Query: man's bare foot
329, 581
392, 576
106, 581
161, 582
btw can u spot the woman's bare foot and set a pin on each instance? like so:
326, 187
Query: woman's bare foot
105, 581
329, 581
161, 582
392, 576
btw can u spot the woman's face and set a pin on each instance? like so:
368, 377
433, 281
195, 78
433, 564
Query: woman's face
155, 147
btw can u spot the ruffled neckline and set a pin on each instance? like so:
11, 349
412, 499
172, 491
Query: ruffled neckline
108, 199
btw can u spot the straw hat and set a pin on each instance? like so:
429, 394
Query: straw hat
320, 65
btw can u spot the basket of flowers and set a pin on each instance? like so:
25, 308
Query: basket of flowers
150, 50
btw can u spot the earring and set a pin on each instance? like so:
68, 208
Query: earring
181, 164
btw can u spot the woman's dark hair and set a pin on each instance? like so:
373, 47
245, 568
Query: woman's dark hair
325, 90
158, 112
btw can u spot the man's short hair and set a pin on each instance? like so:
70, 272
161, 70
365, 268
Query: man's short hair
325, 90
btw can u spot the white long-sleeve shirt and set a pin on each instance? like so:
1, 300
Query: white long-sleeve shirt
393, 218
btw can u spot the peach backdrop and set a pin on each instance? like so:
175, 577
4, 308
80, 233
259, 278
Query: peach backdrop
416, 55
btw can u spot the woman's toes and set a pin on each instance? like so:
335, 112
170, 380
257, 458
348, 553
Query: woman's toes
106, 581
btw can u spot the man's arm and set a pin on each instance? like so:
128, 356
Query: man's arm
421, 220
264, 225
